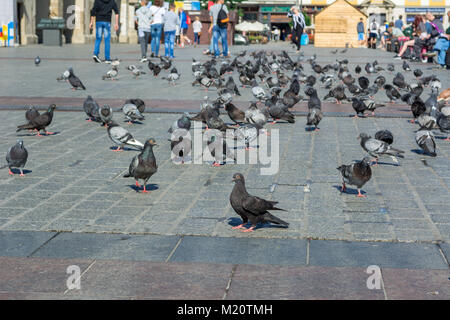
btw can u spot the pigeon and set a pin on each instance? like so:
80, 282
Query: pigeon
399, 81
173, 76
443, 123
37, 61
255, 116
380, 81
219, 150
156, 69
225, 96
235, 114
180, 146
132, 113
139, 103
359, 107
143, 166
106, 114
75, 81
377, 148
385, 136
92, 109
417, 108
137, 72
40, 122
356, 174
231, 85
417, 73
183, 123
372, 105
315, 114
405, 66
111, 74
257, 91
425, 140
252, 208
121, 137
166, 63
391, 67
31, 114
64, 76
358, 69
363, 83
278, 111
247, 133
16, 157
391, 93
369, 68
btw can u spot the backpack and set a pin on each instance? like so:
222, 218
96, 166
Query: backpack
222, 18
188, 20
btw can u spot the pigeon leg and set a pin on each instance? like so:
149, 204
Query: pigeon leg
360, 195
355, 116
21, 173
118, 149
216, 164
373, 113
145, 190
10, 172
137, 184
274, 121
249, 229
412, 121
49, 133
89, 120
129, 122
316, 129
447, 139
241, 226
344, 188
39, 134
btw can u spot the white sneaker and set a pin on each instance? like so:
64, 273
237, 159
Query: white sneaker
144, 59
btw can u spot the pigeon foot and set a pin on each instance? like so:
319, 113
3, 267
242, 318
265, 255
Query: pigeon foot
249, 229
241, 226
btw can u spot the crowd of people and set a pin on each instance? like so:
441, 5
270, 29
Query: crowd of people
423, 39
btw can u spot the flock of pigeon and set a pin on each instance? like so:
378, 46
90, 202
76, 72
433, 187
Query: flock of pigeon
265, 74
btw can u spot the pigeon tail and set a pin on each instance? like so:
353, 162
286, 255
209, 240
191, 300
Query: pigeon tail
271, 218
25, 127
135, 143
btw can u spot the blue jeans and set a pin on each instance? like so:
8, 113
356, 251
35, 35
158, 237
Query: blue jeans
103, 28
196, 38
222, 33
441, 46
155, 30
169, 43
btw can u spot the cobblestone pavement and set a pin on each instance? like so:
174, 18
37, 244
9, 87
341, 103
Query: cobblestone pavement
74, 208
75, 184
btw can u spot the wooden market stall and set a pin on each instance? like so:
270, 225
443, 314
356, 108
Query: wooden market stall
335, 26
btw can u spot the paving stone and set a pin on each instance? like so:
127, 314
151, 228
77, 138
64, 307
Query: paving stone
384, 255
108, 246
22, 243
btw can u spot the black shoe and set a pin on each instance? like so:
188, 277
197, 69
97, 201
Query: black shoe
152, 55
96, 58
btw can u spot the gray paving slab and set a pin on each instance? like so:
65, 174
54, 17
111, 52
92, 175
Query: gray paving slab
108, 246
241, 251
22, 243
382, 254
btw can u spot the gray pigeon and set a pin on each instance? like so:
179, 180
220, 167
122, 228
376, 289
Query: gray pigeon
143, 166
92, 109
173, 76
121, 137
106, 114
219, 150
255, 116
184, 123
111, 74
252, 208
356, 174
16, 157
425, 140
31, 113
64, 76
258, 92
37, 61
132, 113
247, 133
377, 148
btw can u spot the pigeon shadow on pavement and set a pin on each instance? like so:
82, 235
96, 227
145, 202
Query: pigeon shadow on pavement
17, 171
149, 187
31, 134
134, 122
348, 190
124, 149
237, 221
380, 162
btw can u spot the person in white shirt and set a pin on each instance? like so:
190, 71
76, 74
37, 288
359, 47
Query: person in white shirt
374, 29
157, 12
197, 25
142, 18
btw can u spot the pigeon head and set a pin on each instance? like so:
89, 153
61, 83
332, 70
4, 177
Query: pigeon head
367, 160
51, 107
363, 136
151, 142
238, 177
20, 143
309, 91
112, 123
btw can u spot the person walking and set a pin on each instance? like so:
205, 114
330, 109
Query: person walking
360, 30
184, 27
142, 18
219, 25
101, 12
197, 25
171, 22
399, 23
157, 12
299, 24
374, 30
